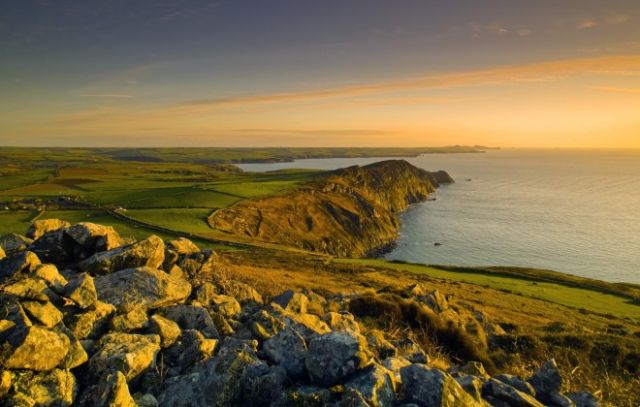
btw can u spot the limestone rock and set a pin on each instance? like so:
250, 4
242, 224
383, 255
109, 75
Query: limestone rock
110, 391
34, 348
24, 261
546, 380
43, 312
204, 293
242, 292
2, 253
288, 349
432, 387
76, 356
40, 227
82, 291
583, 399
395, 364
148, 252
191, 317
55, 388
376, 384
168, 330
341, 321
130, 321
142, 286
183, 246
14, 243
382, 348
333, 356
90, 323
29, 289
127, 353
517, 383
472, 385
94, 238
292, 301
225, 305
53, 278
498, 390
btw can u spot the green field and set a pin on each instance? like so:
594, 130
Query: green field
575, 297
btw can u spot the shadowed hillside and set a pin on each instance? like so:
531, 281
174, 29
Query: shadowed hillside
351, 213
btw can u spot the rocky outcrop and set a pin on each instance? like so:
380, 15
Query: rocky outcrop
142, 336
350, 213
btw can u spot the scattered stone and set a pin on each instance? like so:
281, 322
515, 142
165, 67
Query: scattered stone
148, 252
130, 354
141, 287
145, 400
168, 330
242, 292
94, 238
472, 385
43, 312
2, 253
376, 384
288, 349
91, 323
382, 347
335, 355
76, 356
341, 321
5, 383
14, 243
517, 383
55, 388
225, 305
82, 291
292, 301
22, 262
475, 369
191, 317
40, 227
34, 348
204, 294
394, 364
111, 391
29, 289
498, 390
432, 387
130, 321
50, 274
547, 380
583, 399
183, 246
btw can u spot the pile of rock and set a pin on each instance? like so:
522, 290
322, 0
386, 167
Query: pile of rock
89, 319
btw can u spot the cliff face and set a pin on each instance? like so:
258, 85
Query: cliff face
349, 213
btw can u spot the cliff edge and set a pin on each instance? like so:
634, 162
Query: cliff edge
352, 212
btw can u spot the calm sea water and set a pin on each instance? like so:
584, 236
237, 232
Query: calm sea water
572, 211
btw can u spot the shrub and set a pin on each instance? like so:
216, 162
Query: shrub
423, 321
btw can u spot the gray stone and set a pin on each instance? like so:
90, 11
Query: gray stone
127, 353
14, 243
292, 301
503, 392
376, 384
54, 388
94, 238
168, 330
82, 291
546, 380
288, 349
148, 252
517, 383
334, 356
432, 387
40, 227
191, 317
583, 399
141, 287
22, 262
34, 348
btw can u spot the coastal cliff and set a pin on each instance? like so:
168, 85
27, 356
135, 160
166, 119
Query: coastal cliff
352, 212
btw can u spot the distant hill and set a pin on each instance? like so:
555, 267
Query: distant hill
349, 213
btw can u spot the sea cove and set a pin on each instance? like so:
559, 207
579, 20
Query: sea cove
574, 211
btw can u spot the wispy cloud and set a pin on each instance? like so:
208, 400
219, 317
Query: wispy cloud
542, 71
611, 19
106, 95
615, 89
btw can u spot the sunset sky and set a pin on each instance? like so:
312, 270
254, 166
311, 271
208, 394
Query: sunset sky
320, 73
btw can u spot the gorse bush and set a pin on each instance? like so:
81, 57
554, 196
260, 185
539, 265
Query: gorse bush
393, 309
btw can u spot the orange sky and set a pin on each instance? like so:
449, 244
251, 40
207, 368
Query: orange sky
512, 81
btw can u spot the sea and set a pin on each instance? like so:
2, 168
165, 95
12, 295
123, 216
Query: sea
573, 211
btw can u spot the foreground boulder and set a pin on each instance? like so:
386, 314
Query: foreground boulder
126, 353
333, 356
94, 238
34, 348
40, 227
432, 387
111, 391
55, 388
141, 287
148, 252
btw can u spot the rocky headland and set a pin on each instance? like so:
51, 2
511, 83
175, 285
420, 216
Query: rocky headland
91, 319
352, 212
